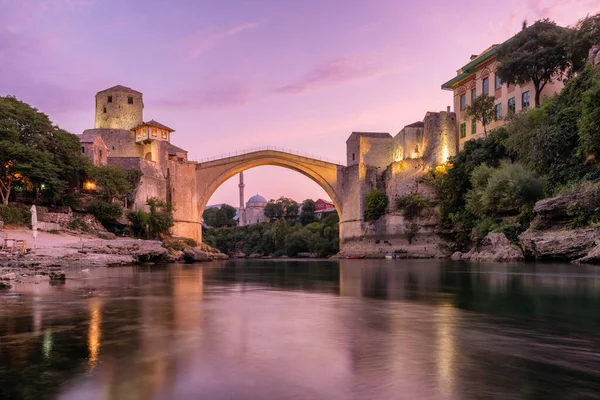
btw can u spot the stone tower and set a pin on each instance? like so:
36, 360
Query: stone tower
242, 213
119, 108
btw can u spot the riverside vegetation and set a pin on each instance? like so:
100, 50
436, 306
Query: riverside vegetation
288, 233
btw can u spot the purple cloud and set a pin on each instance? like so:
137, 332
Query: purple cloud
221, 95
200, 42
336, 71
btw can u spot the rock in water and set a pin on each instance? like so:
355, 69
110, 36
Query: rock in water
559, 244
195, 255
8, 277
494, 247
57, 276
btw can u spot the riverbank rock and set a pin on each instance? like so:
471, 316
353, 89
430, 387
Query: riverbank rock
195, 255
8, 277
558, 243
5, 285
57, 276
494, 247
593, 257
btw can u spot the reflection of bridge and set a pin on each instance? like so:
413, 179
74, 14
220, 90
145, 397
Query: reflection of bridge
209, 175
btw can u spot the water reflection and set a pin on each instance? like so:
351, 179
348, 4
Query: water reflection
358, 329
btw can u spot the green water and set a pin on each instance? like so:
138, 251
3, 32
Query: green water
353, 329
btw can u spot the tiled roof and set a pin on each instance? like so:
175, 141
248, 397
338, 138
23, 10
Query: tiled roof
155, 124
174, 149
119, 88
88, 137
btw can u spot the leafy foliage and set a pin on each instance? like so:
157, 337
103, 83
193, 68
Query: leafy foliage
15, 214
411, 205
219, 217
307, 213
35, 154
106, 213
376, 205
482, 109
589, 124
153, 224
281, 208
278, 238
112, 182
537, 54
501, 190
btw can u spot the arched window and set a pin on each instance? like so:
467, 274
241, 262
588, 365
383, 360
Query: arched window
148, 156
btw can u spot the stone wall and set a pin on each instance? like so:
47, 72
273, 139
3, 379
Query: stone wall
120, 143
183, 194
152, 181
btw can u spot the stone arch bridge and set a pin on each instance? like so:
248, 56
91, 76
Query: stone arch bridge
191, 189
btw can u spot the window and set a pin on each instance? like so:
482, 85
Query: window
129, 100
511, 105
498, 112
485, 83
498, 82
525, 100
154, 132
104, 110
83, 149
139, 133
463, 130
473, 95
164, 134
473, 126
463, 101
353, 157
110, 99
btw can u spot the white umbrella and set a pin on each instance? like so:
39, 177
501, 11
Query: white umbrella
34, 223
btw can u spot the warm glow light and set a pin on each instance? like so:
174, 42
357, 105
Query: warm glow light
89, 185
94, 332
447, 318
445, 153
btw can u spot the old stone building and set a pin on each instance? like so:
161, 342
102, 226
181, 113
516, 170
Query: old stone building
478, 77
121, 138
255, 210
94, 148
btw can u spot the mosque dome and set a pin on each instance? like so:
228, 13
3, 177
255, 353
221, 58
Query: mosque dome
257, 199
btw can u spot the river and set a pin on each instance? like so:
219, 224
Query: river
350, 329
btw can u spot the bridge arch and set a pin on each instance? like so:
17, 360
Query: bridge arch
212, 174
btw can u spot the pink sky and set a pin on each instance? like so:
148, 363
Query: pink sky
229, 75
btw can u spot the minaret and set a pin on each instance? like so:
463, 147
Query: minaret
242, 214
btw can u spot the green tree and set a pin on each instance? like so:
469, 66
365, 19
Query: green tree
31, 150
281, 208
376, 205
589, 124
537, 54
112, 182
503, 189
579, 40
482, 109
220, 216
161, 217
307, 213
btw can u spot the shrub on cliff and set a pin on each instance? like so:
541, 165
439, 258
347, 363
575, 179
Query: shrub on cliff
376, 205
411, 205
106, 213
15, 214
501, 190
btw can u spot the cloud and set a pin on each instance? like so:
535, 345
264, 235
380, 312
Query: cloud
219, 95
200, 42
563, 12
336, 71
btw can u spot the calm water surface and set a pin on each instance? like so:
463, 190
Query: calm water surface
354, 329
